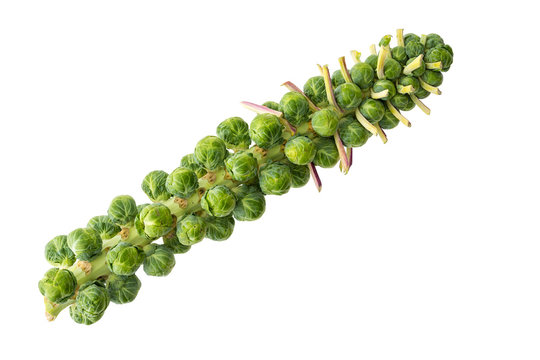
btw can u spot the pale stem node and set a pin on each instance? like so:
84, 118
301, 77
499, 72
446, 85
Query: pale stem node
344, 70
409, 89
423, 39
342, 154
260, 109
356, 56
380, 94
383, 54
434, 66
397, 114
432, 89
365, 123
292, 87
328, 86
415, 64
381, 133
399, 37
420, 104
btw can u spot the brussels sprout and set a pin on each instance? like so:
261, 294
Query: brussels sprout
91, 303
337, 78
250, 203
325, 122
58, 285
399, 54
266, 130
410, 37
300, 174
190, 230
172, 242
123, 289
449, 49
422, 93
392, 69
372, 110
439, 54
153, 186
433, 40
124, 259
409, 81
58, 253
159, 260
140, 208
348, 96
389, 121
300, 150
420, 70
122, 210
295, 108
210, 152
234, 132
275, 179
362, 74
381, 85
371, 60
219, 228
327, 154
351, 133
272, 105
433, 78
182, 182
402, 102
105, 227
154, 221
414, 48
218, 201
242, 166
85, 243
315, 90
190, 163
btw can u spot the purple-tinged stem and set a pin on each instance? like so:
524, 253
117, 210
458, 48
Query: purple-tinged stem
329, 89
350, 152
344, 70
292, 87
315, 176
260, 109
342, 154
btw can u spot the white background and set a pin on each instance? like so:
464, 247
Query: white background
428, 249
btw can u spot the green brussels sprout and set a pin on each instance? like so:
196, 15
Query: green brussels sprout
85, 243
58, 285
410, 37
327, 154
362, 74
300, 174
275, 179
373, 110
389, 121
266, 130
91, 303
300, 150
433, 40
422, 93
402, 102
449, 49
337, 78
439, 54
272, 105
154, 221
315, 90
420, 70
159, 260
250, 203
218, 201
58, 253
392, 69
122, 210
409, 81
172, 242
124, 259
325, 122
351, 133
242, 166
123, 289
153, 186
399, 54
140, 208
190, 230
433, 78
381, 85
105, 227
219, 228
190, 163
234, 132
371, 60
414, 48
348, 96
210, 152
182, 182
295, 108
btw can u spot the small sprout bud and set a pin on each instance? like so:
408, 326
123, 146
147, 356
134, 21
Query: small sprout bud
348, 96
105, 227
242, 166
85, 243
234, 132
327, 154
154, 187
300, 150
159, 260
250, 203
266, 130
210, 152
123, 289
219, 228
190, 230
275, 179
351, 133
58, 285
182, 182
154, 221
58, 253
124, 259
218, 201
123, 210
91, 303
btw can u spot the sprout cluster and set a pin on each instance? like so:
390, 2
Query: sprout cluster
228, 175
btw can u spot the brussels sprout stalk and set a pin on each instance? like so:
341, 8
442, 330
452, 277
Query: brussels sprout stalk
329, 89
379, 95
434, 66
365, 123
415, 64
432, 89
409, 89
292, 87
399, 37
381, 133
397, 114
420, 104
344, 70
384, 52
